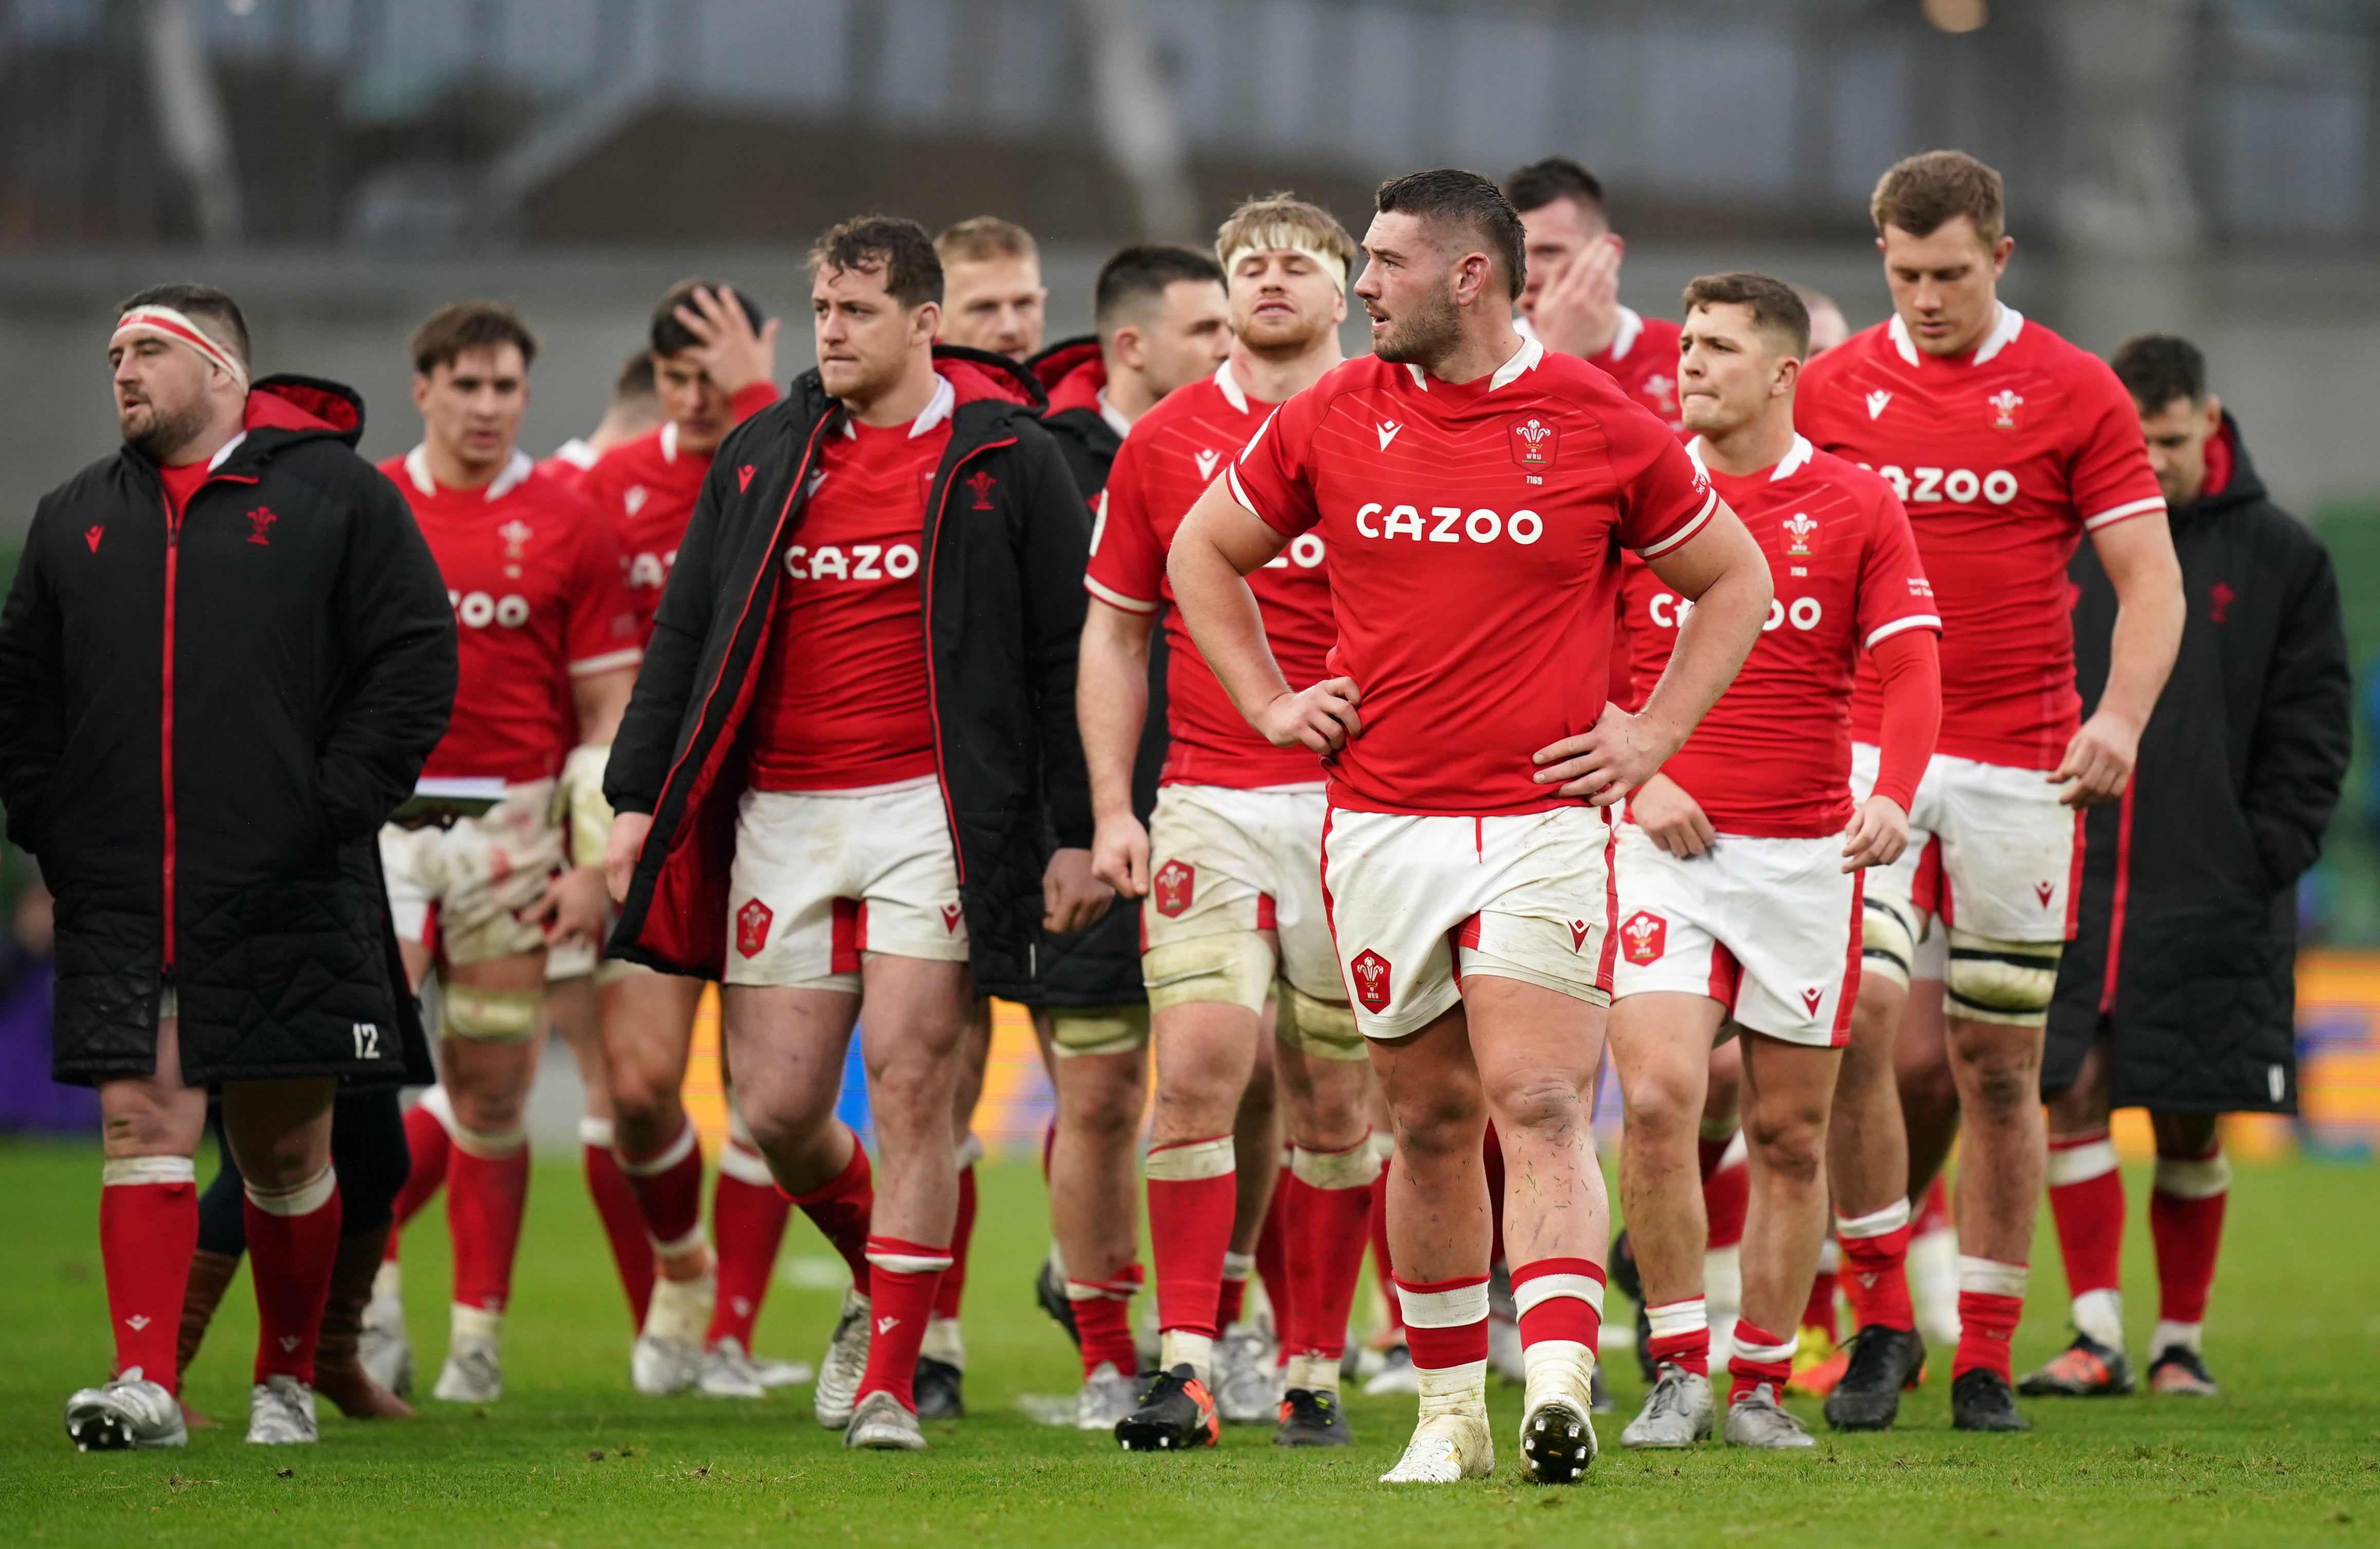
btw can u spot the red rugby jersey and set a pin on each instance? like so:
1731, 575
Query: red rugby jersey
646, 489
1473, 532
1773, 758
534, 577
1642, 358
843, 700
2004, 457
1174, 451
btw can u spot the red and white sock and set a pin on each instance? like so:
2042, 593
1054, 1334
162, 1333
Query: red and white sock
2186, 1225
293, 1237
2086, 1200
148, 1229
487, 1192
840, 1208
1875, 1278
1560, 1305
1759, 1357
943, 1341
748, 1224
1104, 1321
1191, 1186
1681, 1335
901, 1277
668, 1187
1329, 1209
616, 1206
1446, 1332
1818, 1312
1271, 1257
429, 1144
1727, 1194
1991, 1299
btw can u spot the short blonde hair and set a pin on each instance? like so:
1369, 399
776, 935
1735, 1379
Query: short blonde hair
983, 239
1284, 220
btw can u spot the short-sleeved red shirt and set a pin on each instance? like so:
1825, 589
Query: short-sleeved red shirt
1174, 451
2004, 457
1473, 532
1772, 760
1642, 358
842, 702
533, 574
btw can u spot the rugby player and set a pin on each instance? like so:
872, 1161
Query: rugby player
2006, 445
548, 653
1471, 486
1571, 302
635, 410
992, 295
1228, 863
1740, 864
858, 692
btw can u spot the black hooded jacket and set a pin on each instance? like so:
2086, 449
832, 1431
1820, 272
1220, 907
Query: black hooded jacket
1006, 536
203, 724
2186, 934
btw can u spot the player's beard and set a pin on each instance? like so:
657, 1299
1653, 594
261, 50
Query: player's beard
161, 432
1425, 337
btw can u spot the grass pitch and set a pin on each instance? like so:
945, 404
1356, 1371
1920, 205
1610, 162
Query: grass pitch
572, 1458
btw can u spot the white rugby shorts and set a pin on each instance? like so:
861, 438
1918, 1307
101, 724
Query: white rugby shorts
1991, 849
822, 876
1417, 903
1223, 861
479, 875
1767, 927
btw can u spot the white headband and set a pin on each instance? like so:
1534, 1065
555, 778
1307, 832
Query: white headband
1286, 239
164, 323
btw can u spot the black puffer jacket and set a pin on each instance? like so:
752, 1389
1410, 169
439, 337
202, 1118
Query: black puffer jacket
1006, 538
2186, 936
202, 731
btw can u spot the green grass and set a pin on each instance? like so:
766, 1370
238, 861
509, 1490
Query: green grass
2290, 1456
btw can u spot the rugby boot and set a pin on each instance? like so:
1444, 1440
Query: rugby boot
1884, 1362
1446, 1449
940, 1389
845, 1363
1311, 1419
126, 1411
1050, 1292
1677, 1414
1758, 1420
1247, 1377
1107, 1397
1174, 1414
1396, 1373
878, 1423
727, 1372
281, 1412
339, 1373
2178, 1373
1980, 1401
773, 1372
1557, 1416
2085, 1369
474, 1373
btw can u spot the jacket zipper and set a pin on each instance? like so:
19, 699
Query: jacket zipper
165, 745
933, 690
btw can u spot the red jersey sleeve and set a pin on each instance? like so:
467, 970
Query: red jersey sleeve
1273, 475
600, 635
1127, 568
1894, 594
1665, 497
2108, 477
750, 399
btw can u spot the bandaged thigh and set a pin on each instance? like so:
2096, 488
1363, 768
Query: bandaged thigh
2008, 982
1887, 938
484, 1015
1325, 1029
1077, 1031
1229, 968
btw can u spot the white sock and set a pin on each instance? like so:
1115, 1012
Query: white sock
1456, 1390
942, 1342
1176, 1345
2168, 1334
474, 1322
680, 1310
1316, 1374
2099, 1315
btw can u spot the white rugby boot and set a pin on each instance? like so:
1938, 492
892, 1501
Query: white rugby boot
1247, 1384
728, 1373
1107, 1397
772, 1372
474, 1373
844, 1364
1451, 1443
668, 1357
1677, 1411
878, 1423
1758, 1420
1557, 1412
281, 1412
125, 1411
383, 1348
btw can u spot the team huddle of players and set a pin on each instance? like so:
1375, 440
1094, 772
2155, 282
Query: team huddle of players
1551, 677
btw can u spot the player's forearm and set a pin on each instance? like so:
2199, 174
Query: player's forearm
1111, 703
1225, 622
2148, 636
1717, 634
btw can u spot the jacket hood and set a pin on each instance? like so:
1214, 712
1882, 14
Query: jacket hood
2241, 487
305, 407
976, 375
1073, 372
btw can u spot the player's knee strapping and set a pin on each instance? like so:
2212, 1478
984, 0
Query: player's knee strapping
1888, 939
495, 1016
1077, 1031
1231, 968
1325, 1029
2008, 982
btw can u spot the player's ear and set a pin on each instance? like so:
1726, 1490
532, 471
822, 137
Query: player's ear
928, 322
2213, 414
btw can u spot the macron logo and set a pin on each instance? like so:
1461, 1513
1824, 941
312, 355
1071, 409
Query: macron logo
1875, 402
1207, 461
744, 479
1389, 428
886, 1326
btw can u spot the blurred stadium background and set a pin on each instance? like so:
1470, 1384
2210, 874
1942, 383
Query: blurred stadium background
2206, 167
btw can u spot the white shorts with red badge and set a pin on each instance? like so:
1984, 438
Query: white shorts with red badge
1991, 849
822, 876
1224, 861
1767, 927
1417, 903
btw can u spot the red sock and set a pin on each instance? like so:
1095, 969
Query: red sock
1710, 1152
148, 1229
1727, 1195
1559, 1299
1190, 1188
1681, 1335
747, 1223
2086, 1200
487, 1190
1491, 1153
953, 1281
1446, 1321
1272, 1262
293, 1236
1103, 1319
427, 1145
840, 1208
1329, 1209
903, 1276
1232, 1291
1875, 1275
1991, 1299
624, 1223
2186, 1223
1759, 1357
669, 1192
1819, 1310
1384, 1274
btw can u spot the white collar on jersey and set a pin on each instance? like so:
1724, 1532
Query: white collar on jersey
1525, 358
2003, 334
577, 453
937, 409
1632, 328
1228, 385
669, 441
1796, 458
1113, 416
517, 467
